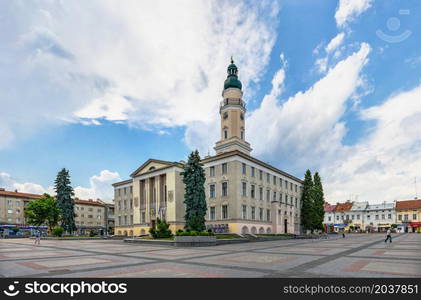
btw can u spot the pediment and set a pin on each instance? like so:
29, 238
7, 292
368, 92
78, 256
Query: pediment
150, 165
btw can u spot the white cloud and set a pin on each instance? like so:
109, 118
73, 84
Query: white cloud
348, 10
335, 42
99, 186
150, 64
383, 165
307, 125
9, 183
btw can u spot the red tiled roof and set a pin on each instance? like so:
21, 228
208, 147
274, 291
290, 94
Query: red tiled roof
408, 204
329, 208
37, 196
340, 207
19, 195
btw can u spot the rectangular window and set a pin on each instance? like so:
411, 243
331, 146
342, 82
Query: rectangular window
125, 191
244, 169
143, 217
253, 213
383, 217
119, 220
377, 217
9, 202
244, 212
286, 184
268, 215
328, 218
224, 168
268, 177
260, 193
296, 205
286, 199
405, 217
212, 171
280, 182
244, 189
290, 186
90, 216
389, 216
131, 190
358, 217
260, 174
212, 191
261, 214
368, 217
212, 213
337, 218
274, 196
252, 191
296, 188
252, 171
224, 189
400, 217
131, 219
274, 179
414, 216
125, 220
280, 198
352, 217
224, 211
267, 195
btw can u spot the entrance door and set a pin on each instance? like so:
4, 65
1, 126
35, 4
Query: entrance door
153, 223
286, 225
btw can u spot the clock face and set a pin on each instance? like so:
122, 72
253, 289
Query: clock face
225, 115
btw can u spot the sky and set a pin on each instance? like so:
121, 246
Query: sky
98, 87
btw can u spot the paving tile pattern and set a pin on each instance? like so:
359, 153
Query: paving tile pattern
357, 255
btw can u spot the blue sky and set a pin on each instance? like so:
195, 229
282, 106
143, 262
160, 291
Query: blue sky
99, 88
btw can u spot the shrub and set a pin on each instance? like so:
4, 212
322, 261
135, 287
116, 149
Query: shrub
92, 233
15, 230
193, 233
162, 230
58, 231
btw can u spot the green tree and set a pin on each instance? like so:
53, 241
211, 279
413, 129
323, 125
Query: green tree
318, 202
194, 193
65, 201
43, 211
307, 209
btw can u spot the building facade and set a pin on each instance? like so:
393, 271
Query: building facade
408, 214
90, 215
243, 194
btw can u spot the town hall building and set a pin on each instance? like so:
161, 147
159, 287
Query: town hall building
243, 194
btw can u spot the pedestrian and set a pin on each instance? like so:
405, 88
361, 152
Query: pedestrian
343, 234
388, 236
37, 238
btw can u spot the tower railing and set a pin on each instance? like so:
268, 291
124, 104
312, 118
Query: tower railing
232, 101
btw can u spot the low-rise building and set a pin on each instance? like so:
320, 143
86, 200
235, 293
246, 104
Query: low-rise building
408, 215
380, 217
90, 215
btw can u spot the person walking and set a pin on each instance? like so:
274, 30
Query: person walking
37, 238
388, 236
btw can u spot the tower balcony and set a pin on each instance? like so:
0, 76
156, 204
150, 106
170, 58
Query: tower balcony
232, 102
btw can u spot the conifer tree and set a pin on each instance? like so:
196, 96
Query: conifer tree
194, 193
307, 209
318, 200
65, 202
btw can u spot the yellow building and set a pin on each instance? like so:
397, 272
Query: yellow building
244, 194
408, 215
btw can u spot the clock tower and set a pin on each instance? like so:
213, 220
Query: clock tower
232, 111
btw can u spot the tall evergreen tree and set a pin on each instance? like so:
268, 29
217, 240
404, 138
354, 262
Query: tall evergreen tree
307, 209
65, 202
319, 201
194, 193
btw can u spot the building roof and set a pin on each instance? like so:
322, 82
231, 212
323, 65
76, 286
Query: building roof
329, 207
359, 205
379, 206
252, 159
409, 204
341, 207
19, 194
168, 163
37, 196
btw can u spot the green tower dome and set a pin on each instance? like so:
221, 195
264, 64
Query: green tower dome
232, 78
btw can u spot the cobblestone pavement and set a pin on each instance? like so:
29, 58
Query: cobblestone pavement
357, 255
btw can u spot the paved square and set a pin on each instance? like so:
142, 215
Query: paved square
357, 255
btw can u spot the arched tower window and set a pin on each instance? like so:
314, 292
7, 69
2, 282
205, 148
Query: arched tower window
242, 133
225, 133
